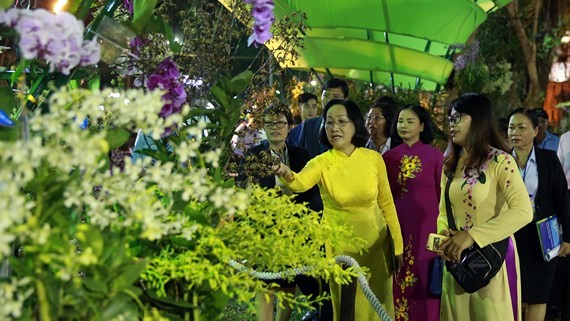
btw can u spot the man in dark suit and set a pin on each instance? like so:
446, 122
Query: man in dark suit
297, 158
309, 137
277, 122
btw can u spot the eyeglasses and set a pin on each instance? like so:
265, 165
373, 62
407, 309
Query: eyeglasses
275, 124
374, 118
341, 123
454, 119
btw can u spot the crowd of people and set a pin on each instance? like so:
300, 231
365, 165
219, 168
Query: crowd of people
379, 174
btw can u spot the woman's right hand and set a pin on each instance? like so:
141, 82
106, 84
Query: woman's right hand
442, 253
456, 244
283, 171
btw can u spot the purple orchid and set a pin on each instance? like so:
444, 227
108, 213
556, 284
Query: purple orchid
262, 13
468, 55
57, 39
167, 77
129, 6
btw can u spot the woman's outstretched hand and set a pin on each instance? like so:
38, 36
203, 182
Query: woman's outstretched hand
283, 171
455, 244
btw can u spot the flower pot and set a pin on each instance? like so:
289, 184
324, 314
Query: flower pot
114, 38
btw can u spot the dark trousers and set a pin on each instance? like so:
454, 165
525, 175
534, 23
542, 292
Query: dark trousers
560, 295
311, 286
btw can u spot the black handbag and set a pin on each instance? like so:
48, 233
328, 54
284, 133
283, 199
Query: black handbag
477, 265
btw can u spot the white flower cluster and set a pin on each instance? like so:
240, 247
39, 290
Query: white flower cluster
75, 159
58, 39
12, 297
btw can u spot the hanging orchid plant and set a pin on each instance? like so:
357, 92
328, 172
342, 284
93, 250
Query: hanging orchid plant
262, 13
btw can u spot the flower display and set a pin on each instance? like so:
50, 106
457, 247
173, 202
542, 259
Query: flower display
167, 77
262, 13
57, 39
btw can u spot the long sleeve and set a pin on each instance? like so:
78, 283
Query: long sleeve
442, 223
560, 198
519, 208
437, 174
386, 204
308, 177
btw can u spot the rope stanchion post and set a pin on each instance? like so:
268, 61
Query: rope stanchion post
348, 299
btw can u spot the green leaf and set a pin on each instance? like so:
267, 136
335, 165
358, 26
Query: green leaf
73, 84
142, 13
8, 100
118, 305
129, 275
117, 138
95, 285
220, 96
24, 63
94, 82
482, 178
82, 8
241, 81
5, 4
159, 25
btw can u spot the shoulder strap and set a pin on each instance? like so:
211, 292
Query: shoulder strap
450, 219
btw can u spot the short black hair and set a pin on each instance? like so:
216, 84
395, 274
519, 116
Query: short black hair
354, 114
540, 112
529, 113
305, 97
385, 100
279, 110
427, 135
336, 83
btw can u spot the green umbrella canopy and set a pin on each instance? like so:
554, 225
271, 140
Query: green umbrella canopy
395, 42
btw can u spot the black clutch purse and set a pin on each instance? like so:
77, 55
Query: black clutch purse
477, 265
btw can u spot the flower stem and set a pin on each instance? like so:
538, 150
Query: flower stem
44, 304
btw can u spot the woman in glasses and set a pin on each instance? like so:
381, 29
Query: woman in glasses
277, 122
489, 203
355, 191
379, 123
547, 189
414, 172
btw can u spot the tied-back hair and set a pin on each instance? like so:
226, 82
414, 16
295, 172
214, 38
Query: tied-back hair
427, 135
388, 110
482, 134
354, 114
529, 113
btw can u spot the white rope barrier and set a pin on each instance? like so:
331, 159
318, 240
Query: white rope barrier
378, 307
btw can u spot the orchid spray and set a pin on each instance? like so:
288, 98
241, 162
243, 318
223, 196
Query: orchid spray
57, 39
262, 13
